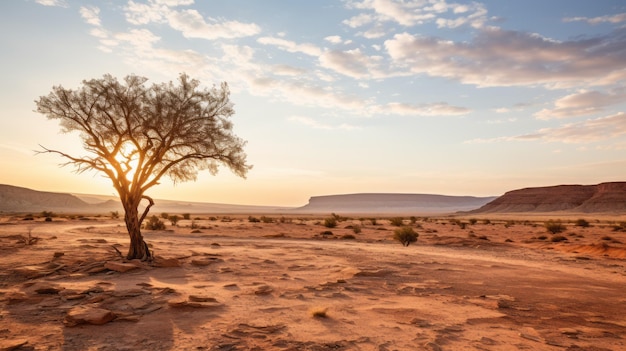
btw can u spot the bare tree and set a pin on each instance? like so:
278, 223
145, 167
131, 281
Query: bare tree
135, 134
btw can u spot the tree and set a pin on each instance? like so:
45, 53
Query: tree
136, 134
405, 235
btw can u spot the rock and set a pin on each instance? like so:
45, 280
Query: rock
119, 266
165, 262
46, 288
88, 315
263, 290
196, 298
9, 345
206, 261
178, 303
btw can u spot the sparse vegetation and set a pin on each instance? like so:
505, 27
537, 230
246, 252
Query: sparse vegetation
174, 219
154, 223
473, 221
319, 312
554, 226
582, 223
396, 221
115, 214
165, 215
253, 219
356, 229
330, 222
405, 235
186, 216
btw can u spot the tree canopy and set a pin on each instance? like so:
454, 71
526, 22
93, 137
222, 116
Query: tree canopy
135, 134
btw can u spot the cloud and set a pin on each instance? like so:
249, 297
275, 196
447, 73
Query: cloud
616, 18
592, 130
496, 57
409, 13
352, 63
91, 15
290, 46
58, 3
584, 102
189, 22
434, 109
192, 25
317, 125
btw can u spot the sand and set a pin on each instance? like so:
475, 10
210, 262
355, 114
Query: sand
230, 284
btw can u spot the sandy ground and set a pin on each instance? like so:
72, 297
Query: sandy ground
232, 284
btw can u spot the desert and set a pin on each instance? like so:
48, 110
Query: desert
290, 282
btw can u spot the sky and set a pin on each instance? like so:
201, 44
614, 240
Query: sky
336, 97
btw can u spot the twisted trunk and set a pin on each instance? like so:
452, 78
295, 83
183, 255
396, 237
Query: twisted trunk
138, 248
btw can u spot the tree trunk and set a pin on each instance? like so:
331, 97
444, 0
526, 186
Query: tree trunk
138, 248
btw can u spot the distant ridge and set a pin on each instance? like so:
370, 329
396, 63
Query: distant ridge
18, 199
601, 198
392, 203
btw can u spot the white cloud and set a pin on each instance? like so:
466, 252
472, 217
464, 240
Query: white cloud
58, 3
496, 57
189, 22
409, 13
616, 18
434, 109
333, 39
584, 102
91, 15
290, 46
592, 130
192, 25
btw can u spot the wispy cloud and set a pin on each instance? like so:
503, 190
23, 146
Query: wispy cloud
310, 122
290, 46
91, 15
592, 130
616, 18
433, 109
584, 102
58, 3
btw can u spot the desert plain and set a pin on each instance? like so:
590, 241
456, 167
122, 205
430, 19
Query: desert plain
288, 282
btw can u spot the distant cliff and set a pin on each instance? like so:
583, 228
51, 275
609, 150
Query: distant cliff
17, 199
392, 203
604, 197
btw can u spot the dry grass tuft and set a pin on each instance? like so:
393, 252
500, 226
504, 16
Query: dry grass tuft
319, 312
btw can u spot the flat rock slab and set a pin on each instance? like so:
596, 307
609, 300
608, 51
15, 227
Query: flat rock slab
119, 266
88, 315
9, 345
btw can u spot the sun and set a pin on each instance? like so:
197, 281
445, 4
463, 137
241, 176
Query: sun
128, 159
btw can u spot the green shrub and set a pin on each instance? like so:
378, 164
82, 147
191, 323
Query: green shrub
397, 221
554, 227
405, 235
154, 223
330, 222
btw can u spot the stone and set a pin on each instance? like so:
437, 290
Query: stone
119, 266
10, 345
88, 315
165, 262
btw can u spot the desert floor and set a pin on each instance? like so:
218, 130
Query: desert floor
227, 283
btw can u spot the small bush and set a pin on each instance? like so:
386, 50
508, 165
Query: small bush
165, 215
473, 221
265, 219
373, 220
115, 215
356, 229
486, 221
154, 223
186, 215
326, 232
582, 223
405, 235
319, 312
397, 221
554, 227
348, 237
174, 219
252, 219
48, 219
330, 222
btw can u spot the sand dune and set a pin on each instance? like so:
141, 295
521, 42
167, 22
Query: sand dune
232, 284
